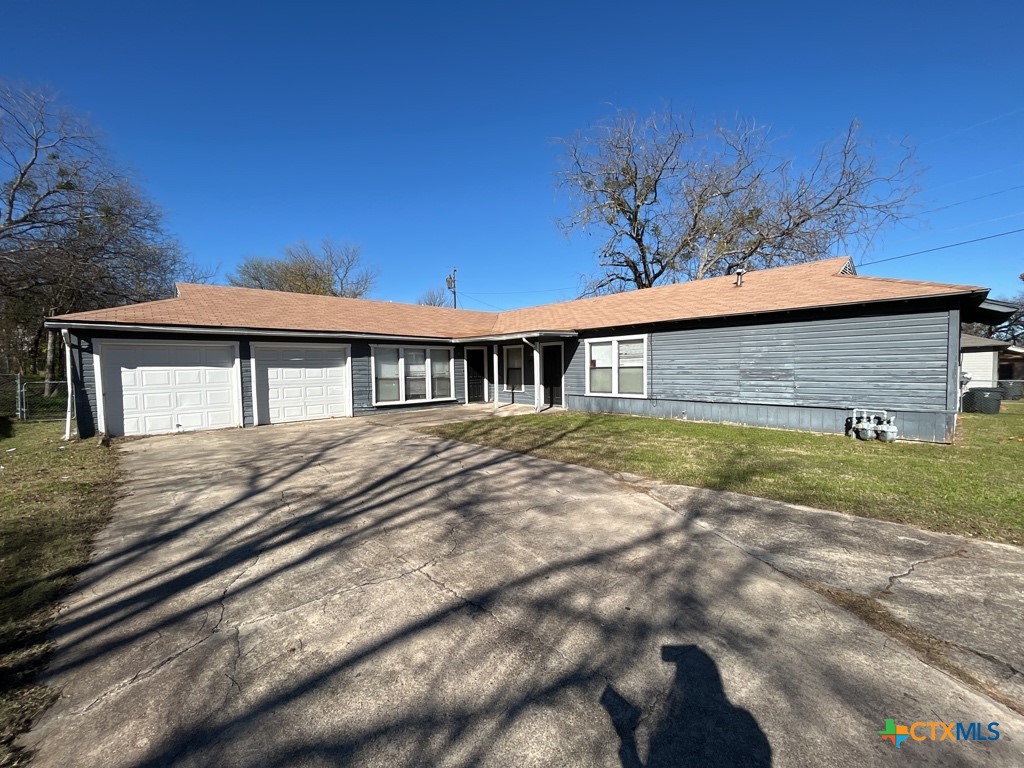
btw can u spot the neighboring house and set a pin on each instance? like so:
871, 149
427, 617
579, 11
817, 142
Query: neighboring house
795, 347
979, 359
1011, 364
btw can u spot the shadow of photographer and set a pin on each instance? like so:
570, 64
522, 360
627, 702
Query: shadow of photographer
700, 725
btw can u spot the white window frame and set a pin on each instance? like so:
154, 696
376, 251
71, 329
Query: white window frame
427, 349
643, 337
504, 361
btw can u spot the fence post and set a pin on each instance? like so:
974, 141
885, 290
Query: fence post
17, 396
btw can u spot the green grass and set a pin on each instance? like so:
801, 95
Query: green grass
54, 496
974, 488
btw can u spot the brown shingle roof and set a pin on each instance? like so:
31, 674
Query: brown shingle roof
818, 284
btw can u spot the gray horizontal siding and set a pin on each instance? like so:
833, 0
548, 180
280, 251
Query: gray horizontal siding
794, 375
245, 369
898, 361
362, 384
459, 374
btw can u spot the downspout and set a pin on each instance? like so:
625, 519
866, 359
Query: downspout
536, 374
66, 335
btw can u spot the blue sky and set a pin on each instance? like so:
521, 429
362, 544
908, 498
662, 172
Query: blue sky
424, 131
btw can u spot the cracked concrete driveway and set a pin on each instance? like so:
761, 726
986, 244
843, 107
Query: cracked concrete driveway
357, 593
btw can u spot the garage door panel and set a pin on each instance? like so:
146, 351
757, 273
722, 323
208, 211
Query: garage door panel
156, 377
184, 377
169, 388
218, 398
157, 400
299, 383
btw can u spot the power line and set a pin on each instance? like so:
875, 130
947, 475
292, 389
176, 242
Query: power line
481, 301
539, 290
973, 199
943, 247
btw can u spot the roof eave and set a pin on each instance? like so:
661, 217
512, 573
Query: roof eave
59, 324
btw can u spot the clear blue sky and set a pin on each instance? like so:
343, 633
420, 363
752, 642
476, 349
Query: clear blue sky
423, 130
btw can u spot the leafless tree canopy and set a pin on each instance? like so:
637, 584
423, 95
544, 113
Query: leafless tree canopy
673, 203
75, 232
333, 270
435, 297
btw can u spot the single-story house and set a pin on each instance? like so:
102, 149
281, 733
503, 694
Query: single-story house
795, 347
979, 359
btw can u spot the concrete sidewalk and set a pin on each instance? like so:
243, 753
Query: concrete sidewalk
352, 593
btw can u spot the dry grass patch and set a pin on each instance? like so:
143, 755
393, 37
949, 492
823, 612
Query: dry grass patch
54, 497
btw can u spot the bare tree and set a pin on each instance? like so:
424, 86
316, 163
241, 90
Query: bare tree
75, 232
334, 270
435, 297
677, 204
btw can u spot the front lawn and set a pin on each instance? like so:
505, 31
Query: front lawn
54, 496
975, 487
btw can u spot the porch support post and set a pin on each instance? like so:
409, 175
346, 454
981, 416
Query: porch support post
537, 394
495, 369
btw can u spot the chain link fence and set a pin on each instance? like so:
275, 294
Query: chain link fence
44, 401
30, 400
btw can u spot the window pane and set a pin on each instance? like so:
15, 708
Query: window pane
600, 379
415, 374
387, 390
631, 367
601, 355
515, 378
631, 381
386, 363
631, 353
513, 367
441, 375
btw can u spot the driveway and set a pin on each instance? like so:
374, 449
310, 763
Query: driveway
355, 593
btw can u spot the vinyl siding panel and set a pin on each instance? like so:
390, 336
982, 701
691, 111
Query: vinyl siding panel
794, 375
983, 368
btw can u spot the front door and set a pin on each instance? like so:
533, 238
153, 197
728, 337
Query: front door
551, 362
475, 370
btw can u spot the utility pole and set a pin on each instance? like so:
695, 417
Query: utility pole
450, 282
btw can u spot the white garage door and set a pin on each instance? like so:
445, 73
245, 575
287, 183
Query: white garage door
151, 389
301, 383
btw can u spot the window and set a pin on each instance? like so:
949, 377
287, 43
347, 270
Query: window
617, 367
400, 374
513, 369
601, 367
386, 373
631, 367
441, 372
415, 374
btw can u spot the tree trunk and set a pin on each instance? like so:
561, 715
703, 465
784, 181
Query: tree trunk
51, 363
